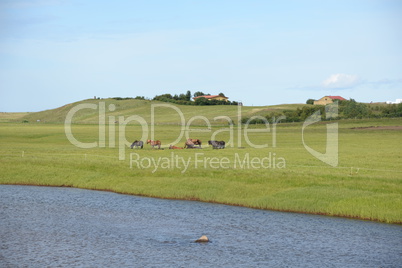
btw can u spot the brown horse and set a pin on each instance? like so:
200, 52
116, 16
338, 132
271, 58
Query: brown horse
196, 142
191, 142
154, 143
175, 147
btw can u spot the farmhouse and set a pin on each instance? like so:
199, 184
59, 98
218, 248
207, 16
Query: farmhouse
212, 97
327, 100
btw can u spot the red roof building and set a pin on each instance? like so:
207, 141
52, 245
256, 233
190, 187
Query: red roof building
336, 97
327, 100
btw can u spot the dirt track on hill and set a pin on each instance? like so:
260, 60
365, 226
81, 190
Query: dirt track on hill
380, 128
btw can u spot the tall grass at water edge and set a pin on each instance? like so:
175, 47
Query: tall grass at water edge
367, 183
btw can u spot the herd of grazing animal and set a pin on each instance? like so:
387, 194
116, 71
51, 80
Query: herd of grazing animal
189, 144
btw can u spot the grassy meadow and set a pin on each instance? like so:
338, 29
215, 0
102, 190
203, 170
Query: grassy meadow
366, 184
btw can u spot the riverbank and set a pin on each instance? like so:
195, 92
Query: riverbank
212, 202
366, 184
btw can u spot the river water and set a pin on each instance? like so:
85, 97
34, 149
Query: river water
66, 227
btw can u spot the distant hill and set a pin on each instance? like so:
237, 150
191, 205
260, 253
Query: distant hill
7, 117
142, 108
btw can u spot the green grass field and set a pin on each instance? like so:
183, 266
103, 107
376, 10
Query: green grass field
366, 184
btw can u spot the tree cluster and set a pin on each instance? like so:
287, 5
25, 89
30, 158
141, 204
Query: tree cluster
178, 99
353, 109
129, 98
347, 109
185, 99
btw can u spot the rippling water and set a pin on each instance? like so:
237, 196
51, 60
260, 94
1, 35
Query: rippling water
60, 227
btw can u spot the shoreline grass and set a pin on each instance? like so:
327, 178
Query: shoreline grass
327, 214
367, 184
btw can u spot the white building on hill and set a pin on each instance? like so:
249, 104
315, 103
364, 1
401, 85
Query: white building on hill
396, 102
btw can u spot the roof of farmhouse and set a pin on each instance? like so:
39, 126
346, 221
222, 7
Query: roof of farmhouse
210, 96
336, 97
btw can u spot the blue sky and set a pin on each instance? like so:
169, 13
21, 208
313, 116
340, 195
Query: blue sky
53, 52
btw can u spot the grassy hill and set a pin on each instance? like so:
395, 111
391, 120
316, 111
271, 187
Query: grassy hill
7, 117
366, 183
163, 115
171, 114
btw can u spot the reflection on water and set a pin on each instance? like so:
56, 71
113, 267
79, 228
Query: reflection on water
61, 227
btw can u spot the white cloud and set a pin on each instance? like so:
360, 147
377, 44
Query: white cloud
341, 81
